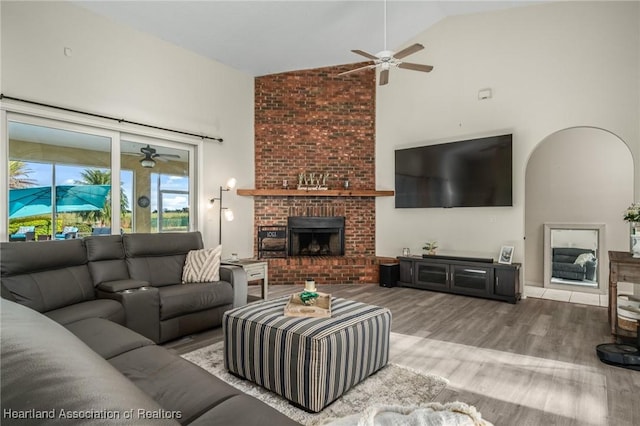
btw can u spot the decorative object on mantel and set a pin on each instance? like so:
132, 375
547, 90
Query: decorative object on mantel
279, 192
430, 247
309, 182
632, 215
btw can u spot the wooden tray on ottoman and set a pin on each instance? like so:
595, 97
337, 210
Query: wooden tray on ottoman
296, 308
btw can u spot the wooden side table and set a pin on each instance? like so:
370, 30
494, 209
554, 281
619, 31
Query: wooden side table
255, 269
622, 267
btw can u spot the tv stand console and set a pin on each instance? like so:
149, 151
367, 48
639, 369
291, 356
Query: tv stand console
461, 276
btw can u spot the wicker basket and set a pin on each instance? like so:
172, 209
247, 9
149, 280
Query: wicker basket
628, 313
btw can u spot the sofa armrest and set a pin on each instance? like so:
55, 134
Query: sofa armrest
141, 308
590, 270
238, 279
121, 285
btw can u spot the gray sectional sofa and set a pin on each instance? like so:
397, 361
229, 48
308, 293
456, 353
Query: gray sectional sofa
134, 280
564, 264
95, 372
78, 325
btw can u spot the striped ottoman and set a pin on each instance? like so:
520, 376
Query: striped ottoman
309, 361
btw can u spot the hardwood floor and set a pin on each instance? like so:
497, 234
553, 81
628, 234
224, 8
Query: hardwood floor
533, 363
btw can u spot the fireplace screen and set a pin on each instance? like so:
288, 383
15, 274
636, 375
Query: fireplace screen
315, 236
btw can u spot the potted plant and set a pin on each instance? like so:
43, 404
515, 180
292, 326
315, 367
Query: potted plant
430, 247
632, 215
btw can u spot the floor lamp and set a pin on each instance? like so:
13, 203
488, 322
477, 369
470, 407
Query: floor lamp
228, 213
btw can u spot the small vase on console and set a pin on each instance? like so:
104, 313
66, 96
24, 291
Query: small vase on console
635, 246
632, 215
634, 238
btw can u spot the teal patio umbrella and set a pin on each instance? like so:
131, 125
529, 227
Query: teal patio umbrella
35, 201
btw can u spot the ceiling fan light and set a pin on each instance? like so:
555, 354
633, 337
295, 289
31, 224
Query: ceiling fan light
147, 163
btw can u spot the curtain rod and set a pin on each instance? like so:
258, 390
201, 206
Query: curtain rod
119, 120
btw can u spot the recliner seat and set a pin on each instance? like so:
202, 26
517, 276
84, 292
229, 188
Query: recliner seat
52, 277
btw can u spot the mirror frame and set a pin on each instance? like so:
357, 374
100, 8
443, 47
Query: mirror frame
602, 280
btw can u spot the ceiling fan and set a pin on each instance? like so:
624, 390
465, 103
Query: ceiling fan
387, 59
150, 156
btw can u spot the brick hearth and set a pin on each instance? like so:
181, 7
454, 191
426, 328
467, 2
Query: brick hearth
313, 121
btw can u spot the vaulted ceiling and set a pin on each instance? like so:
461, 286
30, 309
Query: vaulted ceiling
267, 37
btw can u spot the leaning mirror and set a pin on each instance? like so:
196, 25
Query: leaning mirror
572, 256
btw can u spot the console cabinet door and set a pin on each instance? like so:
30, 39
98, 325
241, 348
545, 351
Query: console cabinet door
472, 280
505, 282
432, 276
406, 271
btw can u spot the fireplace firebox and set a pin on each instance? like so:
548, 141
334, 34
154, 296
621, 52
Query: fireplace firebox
315, 235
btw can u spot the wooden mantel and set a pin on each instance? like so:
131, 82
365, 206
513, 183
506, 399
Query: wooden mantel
316, 193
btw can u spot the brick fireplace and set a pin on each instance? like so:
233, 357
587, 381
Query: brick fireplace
313, 121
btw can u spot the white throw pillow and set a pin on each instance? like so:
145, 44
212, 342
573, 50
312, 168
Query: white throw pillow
584, 258
202, 266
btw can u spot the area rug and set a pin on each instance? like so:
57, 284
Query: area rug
391, 385
430, 414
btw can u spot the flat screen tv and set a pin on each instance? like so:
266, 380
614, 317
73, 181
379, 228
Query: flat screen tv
468, 173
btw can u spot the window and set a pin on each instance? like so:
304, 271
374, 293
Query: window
160, 185
60, 181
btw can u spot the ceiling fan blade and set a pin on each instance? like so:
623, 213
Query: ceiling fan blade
415, 67
358, 69
365, 54
384, 77
166, 155
408, 51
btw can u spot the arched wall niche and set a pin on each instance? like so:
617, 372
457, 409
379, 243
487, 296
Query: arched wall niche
578, 175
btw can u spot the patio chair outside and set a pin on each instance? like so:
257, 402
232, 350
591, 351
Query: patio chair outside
24, 233
101, 231
68, 232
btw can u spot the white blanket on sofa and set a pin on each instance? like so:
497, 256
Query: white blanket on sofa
432, 414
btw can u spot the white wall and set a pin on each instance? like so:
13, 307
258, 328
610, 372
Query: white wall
550, 67
119, 72
581, 176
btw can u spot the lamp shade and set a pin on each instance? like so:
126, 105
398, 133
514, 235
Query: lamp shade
228, 215
231, 183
